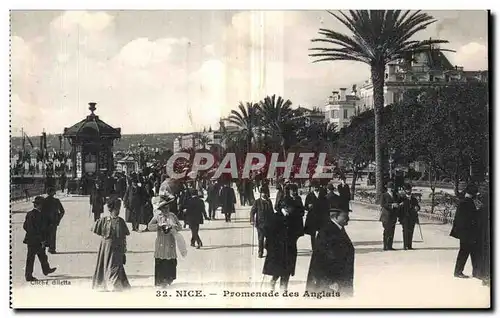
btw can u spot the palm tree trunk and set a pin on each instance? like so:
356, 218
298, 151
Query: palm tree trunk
249, 143
377, 74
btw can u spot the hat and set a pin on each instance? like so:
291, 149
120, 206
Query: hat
162, 200
38, 200
389, 185
471, 189
407, 187
330, 186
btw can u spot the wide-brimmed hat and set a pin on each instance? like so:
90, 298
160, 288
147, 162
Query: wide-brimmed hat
162, 200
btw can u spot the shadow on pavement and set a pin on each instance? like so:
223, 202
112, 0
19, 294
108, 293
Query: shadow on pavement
215, 247
76, 252
241, 221
363, 220
222, 228
19, 212
69, 277
253, 286
304, 253
371, 243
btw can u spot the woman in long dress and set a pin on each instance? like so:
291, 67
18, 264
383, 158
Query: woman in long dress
109, 272
166, 225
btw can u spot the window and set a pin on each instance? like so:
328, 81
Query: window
346, 114
335, 114
431, 77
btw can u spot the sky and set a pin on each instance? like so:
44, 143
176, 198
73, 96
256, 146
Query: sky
180, 71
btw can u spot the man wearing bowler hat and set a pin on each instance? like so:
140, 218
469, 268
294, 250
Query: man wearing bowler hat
389, 215
36, 239
53, 212
466, 228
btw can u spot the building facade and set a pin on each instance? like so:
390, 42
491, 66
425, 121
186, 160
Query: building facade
340, 107
196, 141
430, 68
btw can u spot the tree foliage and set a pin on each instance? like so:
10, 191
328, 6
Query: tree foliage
378, 38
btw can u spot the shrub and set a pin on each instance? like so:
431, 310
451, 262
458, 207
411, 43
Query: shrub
446, 204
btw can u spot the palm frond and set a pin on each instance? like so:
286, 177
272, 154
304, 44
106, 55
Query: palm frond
378, 36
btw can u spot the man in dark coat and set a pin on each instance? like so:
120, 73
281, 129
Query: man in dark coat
265, 187
212, 196
195, 210
485, 239
466, 229
317, 206
408, 215
36, 237
62, 181
97, 201
228, 200
121, 185
332, 262
333, 199
279, 194
53, 212
260, 214
134, 201
389, 215
344, 193
281, 233
147, 209
240, 186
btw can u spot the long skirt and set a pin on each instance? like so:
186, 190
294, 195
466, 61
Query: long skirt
165, 271
109, 271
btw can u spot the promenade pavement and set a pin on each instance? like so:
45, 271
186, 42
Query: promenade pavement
228, 262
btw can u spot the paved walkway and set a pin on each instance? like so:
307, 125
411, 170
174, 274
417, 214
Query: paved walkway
228, 261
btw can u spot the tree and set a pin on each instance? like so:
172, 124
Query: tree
447, 127
202, 139
276, 115
355, 146
378, 38
246, 121
318, 137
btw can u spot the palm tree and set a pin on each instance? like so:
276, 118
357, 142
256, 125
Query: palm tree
246, 121
203, 140
378, 38
276, 116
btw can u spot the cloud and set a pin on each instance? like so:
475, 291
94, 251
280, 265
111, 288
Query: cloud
170, 83
472, 56
89, 21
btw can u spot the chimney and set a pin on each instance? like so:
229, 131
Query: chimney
342, 93
354, 89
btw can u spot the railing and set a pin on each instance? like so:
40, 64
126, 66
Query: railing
27, 187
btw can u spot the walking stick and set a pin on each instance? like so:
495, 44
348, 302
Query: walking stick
262, 281
420, 229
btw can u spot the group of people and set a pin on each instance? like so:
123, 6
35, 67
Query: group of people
332, 262
470, 226
41, 225
398, 204
325, 208
184, 203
